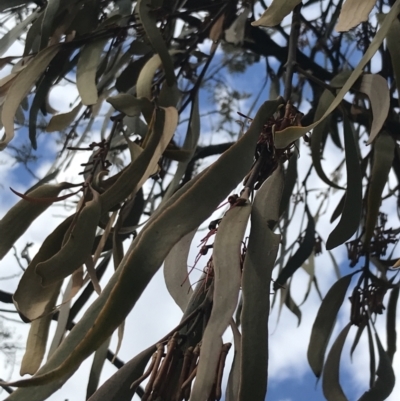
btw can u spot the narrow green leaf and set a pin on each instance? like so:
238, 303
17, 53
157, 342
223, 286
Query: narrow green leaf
360, 330
321, 130
118, 386
86, 71
142, 262
48, 22
97, 366
139, 171
131, 105
36, 343
227, 280
77, 249
190, 144
148, 19
15, 32
371, 349
300, 256
351, 214
391, 323
60, 122
21, 87
330, 379
287, 136
18, 219
31, 299
256, 282
392, 41
324, 323
377, 90
385, 382
292, 306
354, 12
383, 156
232, 387
176, 271
276, 12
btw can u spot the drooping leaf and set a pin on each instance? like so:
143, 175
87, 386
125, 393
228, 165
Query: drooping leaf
352, 207
148, 19
15, 32
384, 147
36, 343
256, 278
62, 121
30, 298
300, 256
48, 22
86, 71
130, 105
393, 46
354, 12
21, 87
324, 323
232, 388
276, 12
330, 379
391, 333
287, 136
320, 131
118, 386
176, 271
141, 263
139, 171
385, 382
292, 306
227, 275
21, 215
96, 369
190, 144
77, 248
376, 88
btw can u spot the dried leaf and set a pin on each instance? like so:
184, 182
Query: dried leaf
21, 88
376, 88
324, 323
21, 215
176, 272
352, 207
276, 12
354, 12
330, 380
